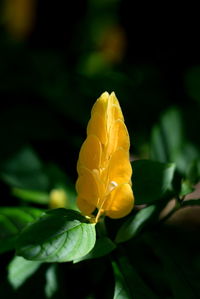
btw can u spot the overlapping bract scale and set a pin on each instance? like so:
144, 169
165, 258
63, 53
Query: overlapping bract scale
104, 169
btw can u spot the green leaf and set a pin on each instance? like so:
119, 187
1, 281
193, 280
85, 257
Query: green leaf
167, 137
136, 285
186, 188
24, 171
168, 144
151, 180
19, 270
175, 267
134, 224
38, 197
12, 221
193, 173
103, 246
188, 162
51, 285
121, 289
60, 235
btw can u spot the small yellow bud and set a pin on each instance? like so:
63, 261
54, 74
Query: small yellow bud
58, 199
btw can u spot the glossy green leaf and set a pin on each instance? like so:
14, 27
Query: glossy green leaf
24, 171
121, 289
51, 285
12, 221
103, 246
134, 224
60, 235
19, 270
151, 180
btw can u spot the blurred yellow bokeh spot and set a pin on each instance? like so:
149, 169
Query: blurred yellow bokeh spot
58, 199
18, 17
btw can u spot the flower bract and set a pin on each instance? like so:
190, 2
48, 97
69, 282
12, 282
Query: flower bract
104, 169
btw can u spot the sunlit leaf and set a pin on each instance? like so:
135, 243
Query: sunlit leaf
60, 235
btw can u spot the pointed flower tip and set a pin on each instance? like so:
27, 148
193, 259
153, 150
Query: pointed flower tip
113, 94
106, 94
104, 159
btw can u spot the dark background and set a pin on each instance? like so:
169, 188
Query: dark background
56, 64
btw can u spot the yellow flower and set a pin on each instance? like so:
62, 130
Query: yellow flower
104, 169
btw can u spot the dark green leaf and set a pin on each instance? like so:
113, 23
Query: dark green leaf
187, 160
121, 289
135, 283
12, 221
193, 173
167, 137
151, 180
51, 281
60, 235
191, 202
19, 270
103, 246
24, 171
134, 224
174, 268
168, 144
192, 82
